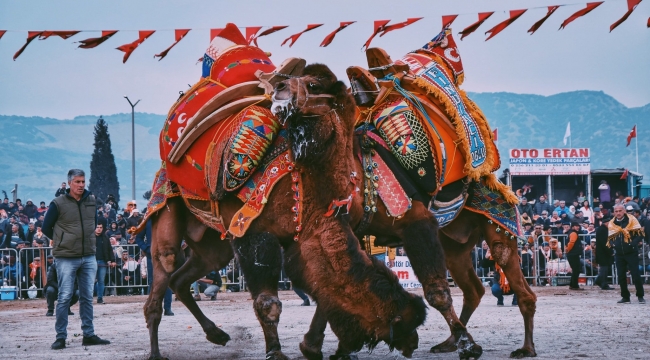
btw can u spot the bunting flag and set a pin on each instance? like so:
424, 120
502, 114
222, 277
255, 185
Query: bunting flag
269, 32
514, 15
551, 10
250, 33
631, 5
128, 48
398, 26
649, 22
31, 35
94, 42
631, 136
62, 34
447, 20
179, 35
378, 27
470, 29
214, 33
583, 12
2, 32
295, 37
328, 39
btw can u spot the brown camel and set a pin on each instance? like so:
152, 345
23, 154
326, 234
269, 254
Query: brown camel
359, 296
417, 232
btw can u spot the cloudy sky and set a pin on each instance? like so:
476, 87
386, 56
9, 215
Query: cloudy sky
53, 78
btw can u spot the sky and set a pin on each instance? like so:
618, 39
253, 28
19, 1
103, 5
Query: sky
53, 78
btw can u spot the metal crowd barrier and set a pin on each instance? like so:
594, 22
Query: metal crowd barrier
12, 274
126, 274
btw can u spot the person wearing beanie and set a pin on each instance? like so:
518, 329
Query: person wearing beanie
604, 254
573, 251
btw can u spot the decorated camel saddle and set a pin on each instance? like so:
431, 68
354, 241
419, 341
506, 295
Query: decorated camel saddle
421, 136
220, 136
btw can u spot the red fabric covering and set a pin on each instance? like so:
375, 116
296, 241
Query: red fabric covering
470, 29
330, 37
631, 5
583, 12
377, 28
130, 47
536, 25
295, 37
514, 15
239, 65
94, 42
179, 35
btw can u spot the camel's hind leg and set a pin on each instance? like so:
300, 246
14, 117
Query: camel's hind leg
426, 255
207, 255
504, 252
261, 261
167, 232
459, 264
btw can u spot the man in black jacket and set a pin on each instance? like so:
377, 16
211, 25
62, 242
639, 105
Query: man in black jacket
104, 256
625, 233
604, 254
51, 291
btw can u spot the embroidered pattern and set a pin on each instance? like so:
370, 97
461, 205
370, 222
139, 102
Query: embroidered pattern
494, 205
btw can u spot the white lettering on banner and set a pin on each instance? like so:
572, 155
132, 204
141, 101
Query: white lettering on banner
402, 268
550, 161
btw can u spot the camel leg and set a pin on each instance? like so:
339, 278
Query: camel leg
207, 255
504, 252
426, 255
261, 261
165, 246
312, 343
460, 267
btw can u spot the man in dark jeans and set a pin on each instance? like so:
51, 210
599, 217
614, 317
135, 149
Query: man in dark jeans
51, 290
104, 256
604, 254
625, 233
573, 252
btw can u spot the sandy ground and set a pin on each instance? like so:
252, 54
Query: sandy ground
587, 324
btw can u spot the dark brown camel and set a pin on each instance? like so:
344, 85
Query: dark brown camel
359, 296
417, 232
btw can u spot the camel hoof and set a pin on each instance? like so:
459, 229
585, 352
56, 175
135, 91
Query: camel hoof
310, 353
522, 353
218, 337
444, 347
344, 357
276, 355
468, 349
157, 357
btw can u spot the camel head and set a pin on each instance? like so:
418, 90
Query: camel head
317, 109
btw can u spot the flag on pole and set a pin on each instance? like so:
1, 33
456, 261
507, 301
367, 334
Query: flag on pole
625, 173
495, 134
631, 136
567, 133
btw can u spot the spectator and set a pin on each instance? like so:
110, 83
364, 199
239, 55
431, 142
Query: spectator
121, 224
500, 284
573, 252
62, 190
587, 212
134, 219
541, 205
589, 260
5, 204
41, 210
526, 221
114, 231
102, 218
525, 208
562, 209
5, 242
486, 264
626, 232
30, 210
31, 231
536, 236
39, 221
110, 200
543, 219
604, 254
644, 259
51, 290
40, 240
129, 272
556, 249
527, 261
211, 284
577, 216
543, 255
555, 217
103, 255
581, 197
17, 231
605, 195
11, 209
598, 216
591, 232
13, 270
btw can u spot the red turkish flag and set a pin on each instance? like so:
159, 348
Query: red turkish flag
94, 42
625, 173
179, 34
631, 5
514, 15
551, 10
398, 26
377, 28
62, 34
2, 32
31, 35
631, 136
269, 31
295, 37
330, 37
250, 33
447, 20
481, 19
495, 134
583, 12
130, 47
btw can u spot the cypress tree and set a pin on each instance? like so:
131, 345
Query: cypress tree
103, 172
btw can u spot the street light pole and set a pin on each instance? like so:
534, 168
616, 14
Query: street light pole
132, 146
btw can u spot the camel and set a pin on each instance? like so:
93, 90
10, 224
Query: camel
358, 295
417, 232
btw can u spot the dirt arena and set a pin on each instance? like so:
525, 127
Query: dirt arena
586, 324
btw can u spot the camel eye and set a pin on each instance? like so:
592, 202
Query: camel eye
314, 86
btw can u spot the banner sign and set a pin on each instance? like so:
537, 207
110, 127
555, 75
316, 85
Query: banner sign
550, 161
402, 268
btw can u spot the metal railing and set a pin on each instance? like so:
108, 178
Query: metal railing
11, 273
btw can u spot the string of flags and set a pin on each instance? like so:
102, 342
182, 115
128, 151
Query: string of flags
380, 27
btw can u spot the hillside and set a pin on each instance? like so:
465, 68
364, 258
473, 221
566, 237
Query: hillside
39, 151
